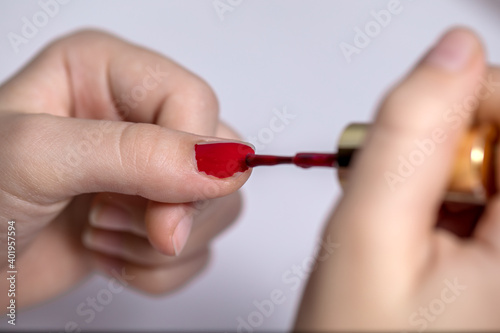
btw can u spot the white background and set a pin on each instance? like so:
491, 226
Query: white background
265, 54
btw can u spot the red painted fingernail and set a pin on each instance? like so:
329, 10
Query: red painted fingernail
222, 159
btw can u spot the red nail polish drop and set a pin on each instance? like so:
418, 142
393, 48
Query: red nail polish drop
222, 159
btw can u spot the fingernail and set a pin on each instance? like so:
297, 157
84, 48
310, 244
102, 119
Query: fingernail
181, 234
453, 51
109, 216
222, 159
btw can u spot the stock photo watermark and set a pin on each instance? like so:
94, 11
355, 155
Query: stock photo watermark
454, 116
428, 314
31, 26
291, 278
381, 19
277, 124
89, 308
224, 7
11, 271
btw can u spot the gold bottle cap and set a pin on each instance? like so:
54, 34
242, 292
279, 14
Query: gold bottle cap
472, 179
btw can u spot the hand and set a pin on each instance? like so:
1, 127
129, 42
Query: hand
393, 269
95, 144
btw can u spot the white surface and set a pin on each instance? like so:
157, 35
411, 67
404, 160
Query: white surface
265, 54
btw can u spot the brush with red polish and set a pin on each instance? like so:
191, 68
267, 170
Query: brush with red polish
224, 159
472, 179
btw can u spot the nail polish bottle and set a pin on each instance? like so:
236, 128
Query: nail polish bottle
472, 178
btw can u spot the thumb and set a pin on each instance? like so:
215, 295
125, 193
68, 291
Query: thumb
58, 157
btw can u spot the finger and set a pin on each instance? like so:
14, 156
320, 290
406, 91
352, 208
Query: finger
139, 250
62, 157
153, 279
386, 225
128, 247
213, 217
95, 75
169, 227
399, 208
163, 221
119, 212
487, 232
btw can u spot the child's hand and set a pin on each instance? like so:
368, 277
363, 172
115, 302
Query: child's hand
95, 145
393, 269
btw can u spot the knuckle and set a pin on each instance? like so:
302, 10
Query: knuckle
202, 96
144, 151
409, 110
77, 42
80, 36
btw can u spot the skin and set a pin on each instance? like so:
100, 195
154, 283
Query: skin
139, 157
392, 263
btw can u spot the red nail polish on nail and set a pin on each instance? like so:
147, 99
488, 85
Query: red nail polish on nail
222, 159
